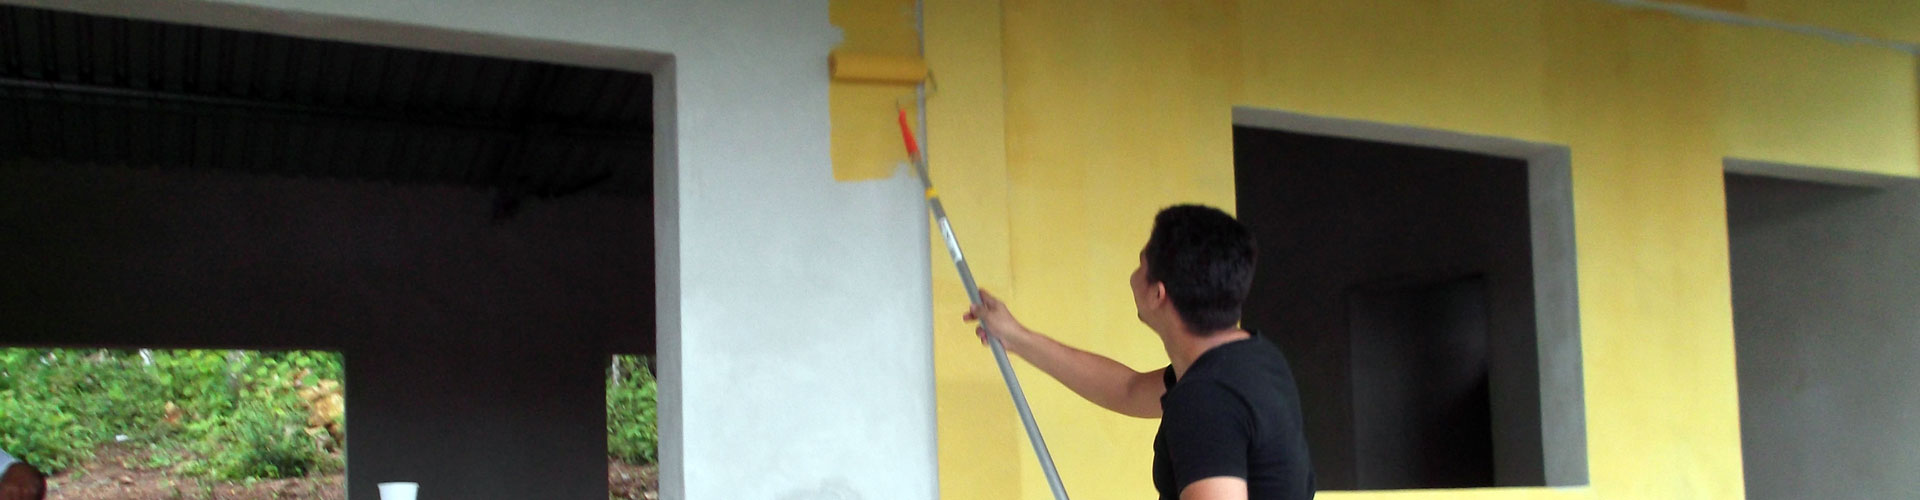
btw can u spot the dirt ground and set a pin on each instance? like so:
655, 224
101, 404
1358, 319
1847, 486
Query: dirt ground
121, 473
632, 482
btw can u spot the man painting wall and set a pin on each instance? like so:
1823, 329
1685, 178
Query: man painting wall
1230, 420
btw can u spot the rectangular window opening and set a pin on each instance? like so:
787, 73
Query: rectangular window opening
1421, 286
469, 218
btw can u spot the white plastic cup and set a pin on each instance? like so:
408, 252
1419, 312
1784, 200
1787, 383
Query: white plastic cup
399, 491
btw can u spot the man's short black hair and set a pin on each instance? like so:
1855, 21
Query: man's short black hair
1206, 260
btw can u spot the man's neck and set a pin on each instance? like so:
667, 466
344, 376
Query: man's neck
1184, 347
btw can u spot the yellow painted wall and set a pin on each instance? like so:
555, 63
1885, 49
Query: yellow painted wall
1061, 126
865, 136
1885, 19
1804, 101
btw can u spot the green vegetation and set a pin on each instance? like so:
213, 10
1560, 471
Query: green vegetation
223, 414
632, 435
228, 415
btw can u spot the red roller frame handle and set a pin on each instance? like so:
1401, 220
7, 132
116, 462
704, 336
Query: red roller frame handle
906, 134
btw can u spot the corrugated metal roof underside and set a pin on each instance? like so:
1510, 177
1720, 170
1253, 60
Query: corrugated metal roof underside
95, 90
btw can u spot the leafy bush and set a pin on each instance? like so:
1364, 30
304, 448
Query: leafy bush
42, 433
632, 433
238, 408
264, 438
62, 403
238, 412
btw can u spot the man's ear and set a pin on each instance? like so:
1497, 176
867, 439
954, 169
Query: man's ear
1158, 292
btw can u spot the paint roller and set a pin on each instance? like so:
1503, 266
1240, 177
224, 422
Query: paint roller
875, 68
901, 70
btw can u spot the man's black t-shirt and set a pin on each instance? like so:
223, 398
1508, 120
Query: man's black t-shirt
1235, 413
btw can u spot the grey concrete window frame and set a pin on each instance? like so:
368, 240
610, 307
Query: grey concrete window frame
1556, 290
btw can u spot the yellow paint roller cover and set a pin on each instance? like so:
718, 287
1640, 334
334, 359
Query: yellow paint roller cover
875, 68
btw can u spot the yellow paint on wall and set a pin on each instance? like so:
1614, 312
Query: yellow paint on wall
1735, 6
865, 141
1887, 19
1112, 113
1895, 20
1785, 91
1433, 63
981, 442
1061, 126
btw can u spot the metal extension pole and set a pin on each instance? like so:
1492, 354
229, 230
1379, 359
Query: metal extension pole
973, 294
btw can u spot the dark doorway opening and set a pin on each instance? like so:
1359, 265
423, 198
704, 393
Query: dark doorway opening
474, 234
1399, 280
1421, 384
1826, 278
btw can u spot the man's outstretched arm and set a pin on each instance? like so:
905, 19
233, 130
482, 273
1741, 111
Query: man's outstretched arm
1216, 488
1098, 378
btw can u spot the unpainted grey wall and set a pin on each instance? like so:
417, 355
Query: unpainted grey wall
1826, 305
475, 351
1332, 214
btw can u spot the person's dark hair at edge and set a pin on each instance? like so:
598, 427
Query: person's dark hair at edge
1206, 259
